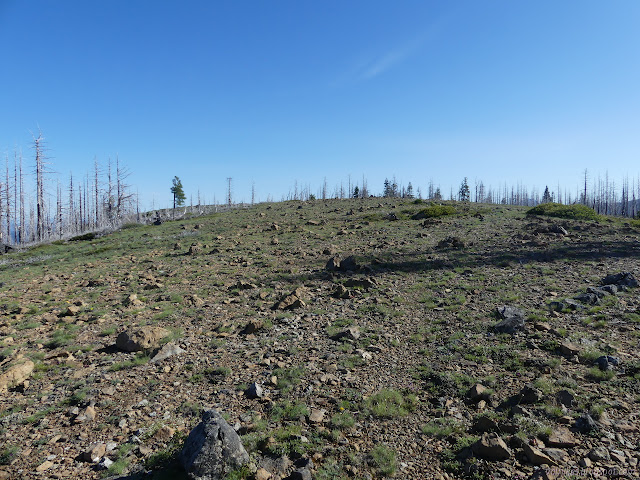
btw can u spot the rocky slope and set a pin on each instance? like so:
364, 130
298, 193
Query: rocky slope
340, 339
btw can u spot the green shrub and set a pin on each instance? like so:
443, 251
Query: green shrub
288, 377
435, 211
600, 375
343, 420
389, 404
7, 454
383, 459
576, 212
288, 411
442, 427
84, 237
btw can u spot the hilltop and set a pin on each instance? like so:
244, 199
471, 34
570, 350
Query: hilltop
384, 337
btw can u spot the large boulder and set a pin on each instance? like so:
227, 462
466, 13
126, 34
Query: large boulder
212, 449
143, 338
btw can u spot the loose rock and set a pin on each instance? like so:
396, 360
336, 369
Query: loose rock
143, 338
212, 449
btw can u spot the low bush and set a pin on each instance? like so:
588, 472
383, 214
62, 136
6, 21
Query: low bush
575, 212
389, 404
434, 211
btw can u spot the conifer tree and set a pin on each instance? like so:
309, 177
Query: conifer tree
178, 193
464, 194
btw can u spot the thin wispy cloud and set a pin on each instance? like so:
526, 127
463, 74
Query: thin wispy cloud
377, 64
383, 63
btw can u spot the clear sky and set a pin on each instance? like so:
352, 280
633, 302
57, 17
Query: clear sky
277, 91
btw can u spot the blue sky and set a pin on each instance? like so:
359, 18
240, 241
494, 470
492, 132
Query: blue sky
273, 92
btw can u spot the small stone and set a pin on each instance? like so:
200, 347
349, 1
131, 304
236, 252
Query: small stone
16, 374
585, 462
617, 456
530, 394
300, 474
169, 350
94, 452
145, 451
316, 416
565, 398
510, 325
585, 423
90, 413
132, 301
143, 338
164, 433
262, 474
71, 311
252, 326
351, 333
255, 390
476, 393
569, 349
559, 455
46, 465
212, 449
607, 362
289, 302
599, 454
537, 457
625, 279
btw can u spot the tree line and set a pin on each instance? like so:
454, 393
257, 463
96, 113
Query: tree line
40, 209
602, 194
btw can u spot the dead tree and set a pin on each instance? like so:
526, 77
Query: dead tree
59, 218
10, 221
21, 228
72, 218
96, 192
40, 199
123, 197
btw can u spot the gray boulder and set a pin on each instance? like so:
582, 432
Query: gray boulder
588, 298
508, 311
213, 449
512, 319
622, 279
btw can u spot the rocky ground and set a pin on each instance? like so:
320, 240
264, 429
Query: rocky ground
340, 339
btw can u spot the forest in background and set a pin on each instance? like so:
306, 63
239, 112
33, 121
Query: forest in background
35, 207
42, 209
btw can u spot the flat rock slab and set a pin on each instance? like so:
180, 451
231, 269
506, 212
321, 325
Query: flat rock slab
562, 438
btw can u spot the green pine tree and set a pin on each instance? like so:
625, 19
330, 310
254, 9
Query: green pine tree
464, 194
178, 193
